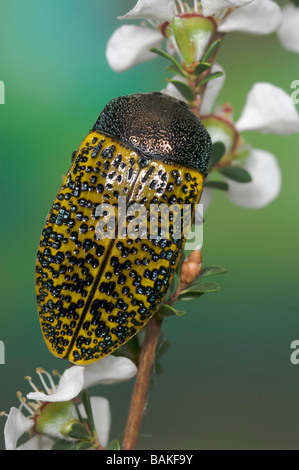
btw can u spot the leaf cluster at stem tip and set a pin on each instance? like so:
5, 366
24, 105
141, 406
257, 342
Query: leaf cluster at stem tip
193, 291
197, 74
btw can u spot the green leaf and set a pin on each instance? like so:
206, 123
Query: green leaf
167, 56
212, 271
83, 445
181, 262
236, 173
201, 67
217, 185
173, 68
133, 345
113, 445
202, 288
88, 410
64, 445
162, 348
167, 311
183, 88
217, 152
75, 430
208, 78
198, 290
211, 50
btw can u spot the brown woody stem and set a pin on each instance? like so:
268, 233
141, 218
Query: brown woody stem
140, 392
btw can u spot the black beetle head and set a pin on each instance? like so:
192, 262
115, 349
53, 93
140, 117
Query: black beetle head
158, 126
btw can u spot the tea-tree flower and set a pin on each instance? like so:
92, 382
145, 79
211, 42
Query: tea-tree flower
257, 17
288, 30
268, 109
182, 25
265, 182
48, 411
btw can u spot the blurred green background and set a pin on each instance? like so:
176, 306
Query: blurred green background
228, 382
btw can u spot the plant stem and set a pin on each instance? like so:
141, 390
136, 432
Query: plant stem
140, 392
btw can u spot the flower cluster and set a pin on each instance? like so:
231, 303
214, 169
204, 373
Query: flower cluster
187, 31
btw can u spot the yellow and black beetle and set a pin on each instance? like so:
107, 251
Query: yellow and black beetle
94, 292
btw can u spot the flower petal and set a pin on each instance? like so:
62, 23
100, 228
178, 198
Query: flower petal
258, 17
288, 31
162, 10
212, 7
102, 417
38, 442
265, 185
16, 425
212, 90
205, 200
269, 109
70, 385
129, 45
109, 370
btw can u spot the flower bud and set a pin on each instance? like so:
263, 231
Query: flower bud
190, 269
190, 34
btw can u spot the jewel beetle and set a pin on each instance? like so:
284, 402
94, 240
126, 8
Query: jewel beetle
95, 292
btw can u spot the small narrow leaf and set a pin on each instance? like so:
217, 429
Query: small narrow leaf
113, 445
201, 67
181, 262
211, 50
75, 430
164, 54
208, 78
183, 88
173, 68
198, 290
202, 288
88, 410
221, 185
212, 271
162, 348
83, 445
64, 445
236, 173
167, 311
217, 152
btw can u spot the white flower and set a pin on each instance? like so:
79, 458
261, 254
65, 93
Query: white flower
108, 370
265, 185
215, 7
130, 44
257, 17
269, 109
16, 425
160, 10
288, 30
